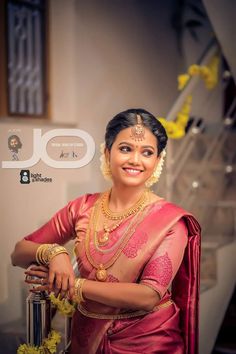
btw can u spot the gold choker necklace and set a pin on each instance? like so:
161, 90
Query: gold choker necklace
124, 214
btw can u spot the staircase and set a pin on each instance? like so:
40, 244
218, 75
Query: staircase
200, 177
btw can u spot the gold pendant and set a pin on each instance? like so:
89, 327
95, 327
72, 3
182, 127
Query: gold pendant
103, 240
101, 273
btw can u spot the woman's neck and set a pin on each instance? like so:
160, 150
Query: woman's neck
124, 197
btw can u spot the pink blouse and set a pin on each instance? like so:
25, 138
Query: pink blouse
72, 221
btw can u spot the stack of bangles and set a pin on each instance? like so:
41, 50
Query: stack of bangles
78, 297
46, 252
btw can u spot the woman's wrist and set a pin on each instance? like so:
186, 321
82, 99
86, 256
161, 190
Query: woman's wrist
78, 296
46, 252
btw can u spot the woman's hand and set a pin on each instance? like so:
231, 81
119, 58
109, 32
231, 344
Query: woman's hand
61, 278
37, 275
58, 278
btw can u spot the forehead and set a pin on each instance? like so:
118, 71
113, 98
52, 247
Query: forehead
126, 136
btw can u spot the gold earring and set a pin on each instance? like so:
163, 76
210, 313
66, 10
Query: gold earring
157, 172
104, 165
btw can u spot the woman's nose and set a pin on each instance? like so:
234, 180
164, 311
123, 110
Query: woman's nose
135, 158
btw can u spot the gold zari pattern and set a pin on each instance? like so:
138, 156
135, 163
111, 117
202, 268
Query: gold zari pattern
101, 269
119, 316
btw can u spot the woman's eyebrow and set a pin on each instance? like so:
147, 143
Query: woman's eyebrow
130, 144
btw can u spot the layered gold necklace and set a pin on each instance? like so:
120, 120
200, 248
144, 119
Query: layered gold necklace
102, 205
120, 216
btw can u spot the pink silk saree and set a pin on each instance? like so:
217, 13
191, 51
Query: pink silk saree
163, 250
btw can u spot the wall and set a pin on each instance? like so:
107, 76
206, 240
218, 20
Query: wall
222, 16
105, 56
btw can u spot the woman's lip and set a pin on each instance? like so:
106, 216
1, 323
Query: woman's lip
132, 171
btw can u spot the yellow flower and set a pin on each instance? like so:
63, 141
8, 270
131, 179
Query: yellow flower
204, 72
182, 81
63, 306
56, 336
194, 70
28, 349
49, 345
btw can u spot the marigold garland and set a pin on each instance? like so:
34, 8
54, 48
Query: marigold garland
65, 307
49, 345
209, 74
176, 129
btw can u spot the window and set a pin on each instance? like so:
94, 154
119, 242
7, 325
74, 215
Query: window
24, 59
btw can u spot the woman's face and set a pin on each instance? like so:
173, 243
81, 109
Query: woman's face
132, 162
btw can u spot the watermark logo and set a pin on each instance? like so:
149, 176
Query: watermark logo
24, 176
40, 150
27, 177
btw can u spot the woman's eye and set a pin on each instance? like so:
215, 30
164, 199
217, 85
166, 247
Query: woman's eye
148, 152
125, 149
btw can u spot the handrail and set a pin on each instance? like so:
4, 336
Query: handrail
210, 50
215, 142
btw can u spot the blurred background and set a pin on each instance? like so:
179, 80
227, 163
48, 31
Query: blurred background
74, 64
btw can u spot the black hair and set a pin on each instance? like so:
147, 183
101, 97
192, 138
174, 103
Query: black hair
128, 119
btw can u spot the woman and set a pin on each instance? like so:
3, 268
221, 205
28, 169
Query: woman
131, 247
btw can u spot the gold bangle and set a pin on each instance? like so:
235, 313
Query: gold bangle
79, 290
46, 252
55, 250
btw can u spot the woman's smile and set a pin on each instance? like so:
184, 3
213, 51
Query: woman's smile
132, 171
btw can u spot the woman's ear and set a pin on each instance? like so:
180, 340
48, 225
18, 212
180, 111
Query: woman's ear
157, 161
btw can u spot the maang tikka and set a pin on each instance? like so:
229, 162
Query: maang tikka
138, 130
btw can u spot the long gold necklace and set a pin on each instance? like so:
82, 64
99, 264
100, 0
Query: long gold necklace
104, 238
101, 269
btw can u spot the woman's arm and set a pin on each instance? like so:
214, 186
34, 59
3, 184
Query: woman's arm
24, 253
121, 295
59, 229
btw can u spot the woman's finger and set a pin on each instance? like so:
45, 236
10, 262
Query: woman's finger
64, 286
39, 288
39, 274
42, 281
38, 267
57, 284
71, 286
51, 279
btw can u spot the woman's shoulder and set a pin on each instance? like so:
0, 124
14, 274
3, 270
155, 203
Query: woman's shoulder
156, 200
174, 212
85, 199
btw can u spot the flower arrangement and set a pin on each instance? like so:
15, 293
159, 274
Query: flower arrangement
209, 74
64, 306
48, 346
176, 129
